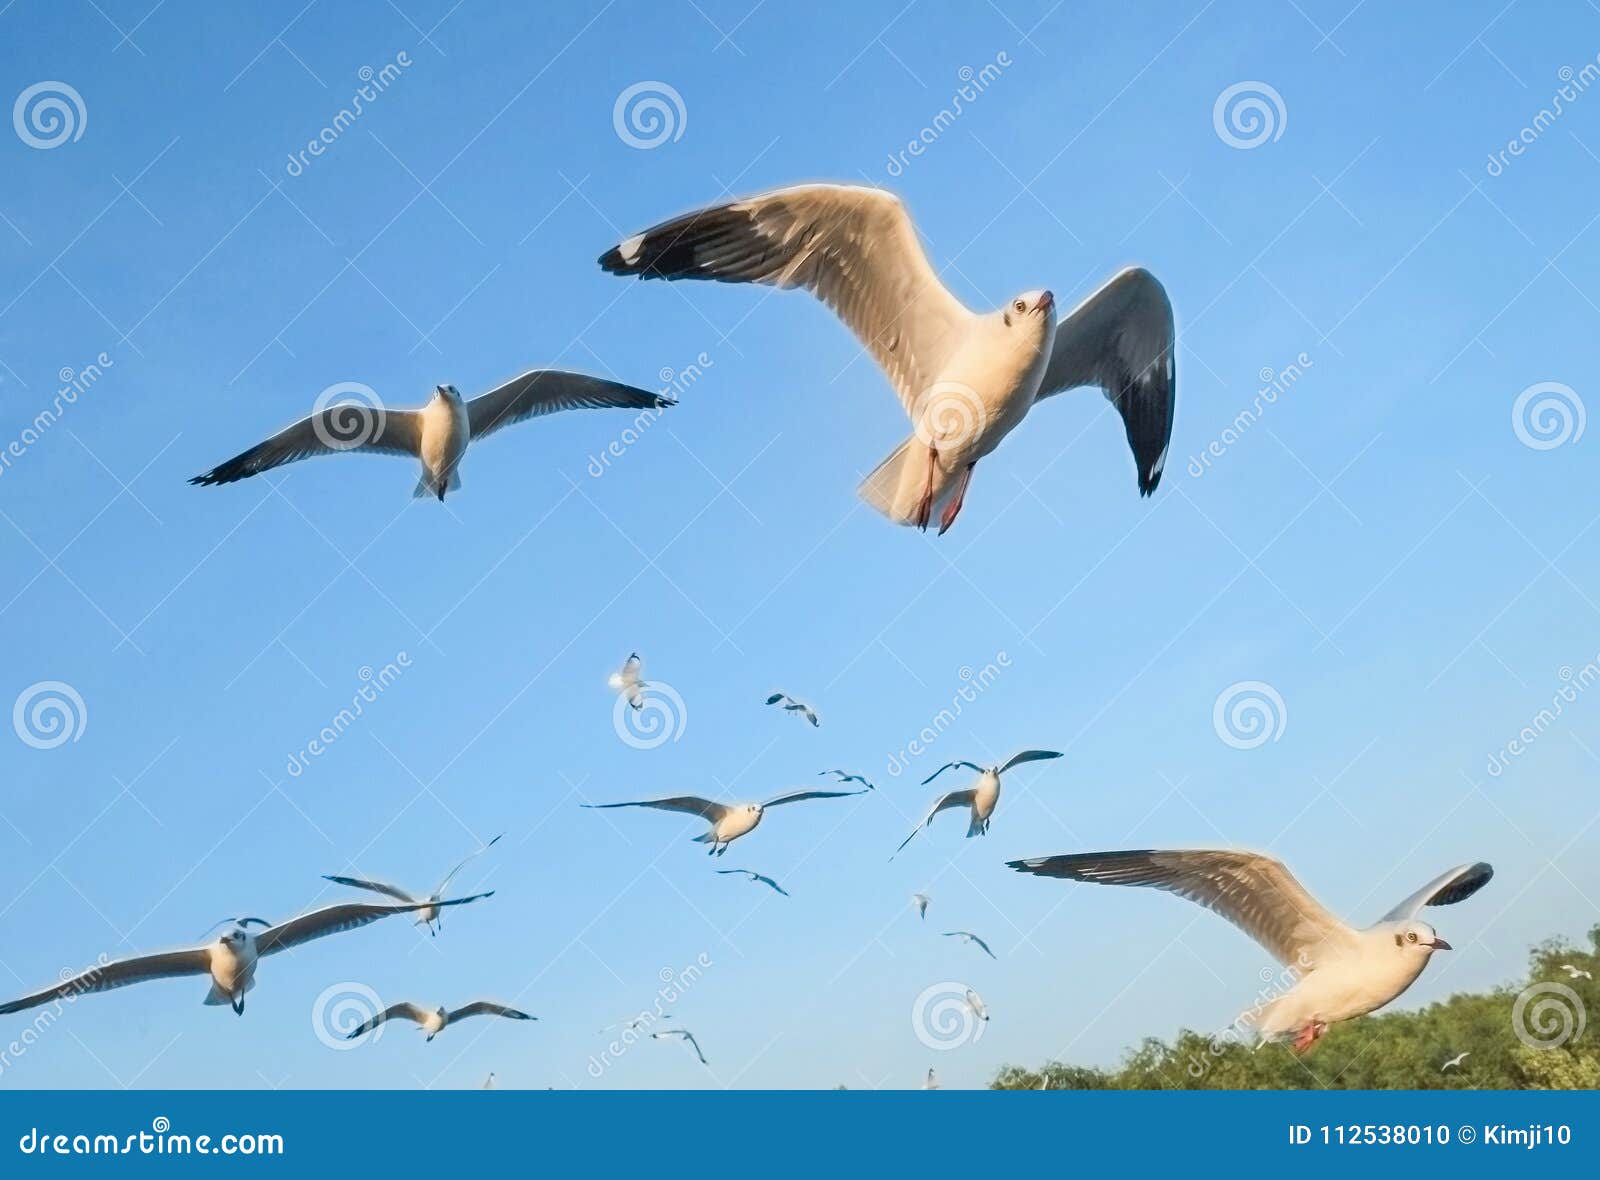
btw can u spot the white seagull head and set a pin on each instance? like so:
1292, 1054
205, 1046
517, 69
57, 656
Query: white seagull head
447, 391
1412, 938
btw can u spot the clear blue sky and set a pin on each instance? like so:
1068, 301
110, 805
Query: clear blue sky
1378, 546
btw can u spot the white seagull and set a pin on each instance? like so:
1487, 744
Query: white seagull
919, 902
1455, 1061
966, 380
628, 681
438, 434
975, 1002
981, 797
1341, 972
428, 911
488, 1082
1575, 972
790, 705
968, 936
230, 959
758, 878
847, 777
931, 1082
687, 1036
728, 821
434, 1021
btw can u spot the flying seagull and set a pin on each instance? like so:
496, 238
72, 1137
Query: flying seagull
488, 1082
968, 936
1575, 972
768, 881
230, 959
846, 777
790, 705
728, 821
434, 1021
1340, 972
428, 913
686, 1035
966, 380
931, 1082
981, 797
919, 902
628, 681
438, 434
975, 1002
1455, 1061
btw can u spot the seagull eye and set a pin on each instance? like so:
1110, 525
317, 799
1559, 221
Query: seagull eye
1411, 936
1019, 305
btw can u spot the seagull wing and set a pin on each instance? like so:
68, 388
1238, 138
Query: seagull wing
948, 766
488, 1008
953, 799
165, 965
412, 1012
779, 696
801, 796
335, 919
339, 428
1121, 339
1027, 756
387, 890
548, 391
1458, 884
854, 248
768, 881
970, 937
692, 804
1254, 892
439, 890
686, 1035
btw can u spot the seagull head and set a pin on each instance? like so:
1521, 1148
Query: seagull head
1031, 316
448, 392
753, 809
1418, 938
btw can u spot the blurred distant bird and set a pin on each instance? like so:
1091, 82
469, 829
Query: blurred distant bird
488, 1082
428, 914
931, 1082
1455, 1061
981, 797
965, 380
1339, 972
843, 777
728, 821
967, 936
768, 881
438, 433
919, 902
687, 1036
975, 1002
790, 705
627, 681
434, 1021
1575, 972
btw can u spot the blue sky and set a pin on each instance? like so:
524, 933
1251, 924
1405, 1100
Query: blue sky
1379, 545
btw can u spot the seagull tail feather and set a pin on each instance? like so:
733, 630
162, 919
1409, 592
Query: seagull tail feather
896, 485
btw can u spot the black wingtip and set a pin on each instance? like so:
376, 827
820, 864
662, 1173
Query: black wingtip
662, 401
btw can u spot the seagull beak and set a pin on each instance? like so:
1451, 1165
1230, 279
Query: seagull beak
1440, 944
1046, 302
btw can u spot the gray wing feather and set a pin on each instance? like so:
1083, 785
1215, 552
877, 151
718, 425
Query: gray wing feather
338, 428
165, 965
1448, 888
549, 391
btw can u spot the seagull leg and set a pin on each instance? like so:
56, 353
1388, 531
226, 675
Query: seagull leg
925, 505
1308, 1035
948, 516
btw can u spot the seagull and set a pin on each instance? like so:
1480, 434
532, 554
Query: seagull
931, 1082
845, 777
1340, 972
230, 959
981, 798
756, 877
1575, 972
428, 913
1455, 1061
919, 902
728, 821
627, 681
975, 1002
434, 1021
686, 1035
966, 380
488, 1082
437, 434
968, 936
790, 705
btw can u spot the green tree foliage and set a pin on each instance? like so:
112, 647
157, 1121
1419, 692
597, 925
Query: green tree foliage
1388, 1051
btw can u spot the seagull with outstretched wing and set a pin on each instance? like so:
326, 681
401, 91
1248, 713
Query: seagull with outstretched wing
728, 821
436, 435
844, 776
969, 937
628, 681
1340, 972
687, 1036
798, 708
965, 379
434, 1021
981, 798
758, 878
428, 915
919, 902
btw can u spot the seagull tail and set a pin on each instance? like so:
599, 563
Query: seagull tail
216, 997
896, 485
